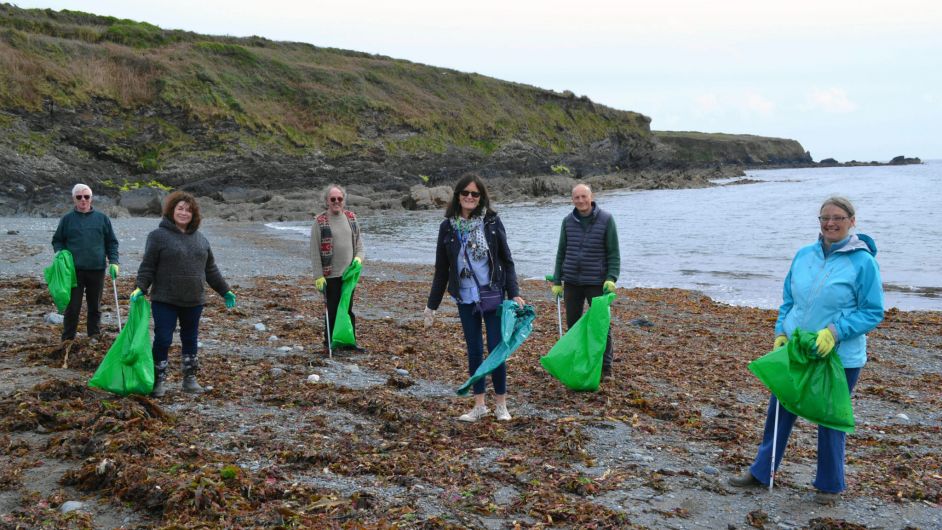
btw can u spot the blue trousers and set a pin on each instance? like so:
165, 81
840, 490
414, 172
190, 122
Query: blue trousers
165, 322
830, 474
471, 323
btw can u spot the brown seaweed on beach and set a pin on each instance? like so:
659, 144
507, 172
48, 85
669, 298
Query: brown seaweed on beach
367, 447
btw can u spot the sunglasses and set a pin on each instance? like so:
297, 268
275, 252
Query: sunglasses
336, 199
475, 194
83, 197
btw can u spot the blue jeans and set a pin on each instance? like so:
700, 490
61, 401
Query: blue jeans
471, 323
165, 322
830, 474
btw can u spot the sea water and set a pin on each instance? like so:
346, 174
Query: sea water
733, 242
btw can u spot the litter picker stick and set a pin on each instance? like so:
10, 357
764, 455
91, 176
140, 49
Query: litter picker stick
330, 349
774, 440
559, 311
117, 306
559, 317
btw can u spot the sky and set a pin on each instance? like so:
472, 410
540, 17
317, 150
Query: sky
851, 80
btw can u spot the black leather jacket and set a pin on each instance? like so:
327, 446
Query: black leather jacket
503, 274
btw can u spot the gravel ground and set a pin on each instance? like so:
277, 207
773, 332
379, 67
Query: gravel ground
652, 449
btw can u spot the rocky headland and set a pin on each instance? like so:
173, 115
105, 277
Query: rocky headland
256, 128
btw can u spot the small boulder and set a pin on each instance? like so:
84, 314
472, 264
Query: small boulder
71, 506
142, 201
423, 198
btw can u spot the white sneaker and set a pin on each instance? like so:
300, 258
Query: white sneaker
474, 414
501, 412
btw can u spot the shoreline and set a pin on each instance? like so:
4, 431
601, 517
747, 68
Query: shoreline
251, 203
243, 250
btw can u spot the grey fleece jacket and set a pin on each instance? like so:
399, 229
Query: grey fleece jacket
176, 264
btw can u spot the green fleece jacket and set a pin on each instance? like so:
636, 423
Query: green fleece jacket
89, 237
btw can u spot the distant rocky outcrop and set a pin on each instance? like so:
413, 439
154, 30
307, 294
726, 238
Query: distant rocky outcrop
694, 149
902, 160
896, 161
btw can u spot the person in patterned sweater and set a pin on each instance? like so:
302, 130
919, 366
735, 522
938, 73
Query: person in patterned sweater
335, 244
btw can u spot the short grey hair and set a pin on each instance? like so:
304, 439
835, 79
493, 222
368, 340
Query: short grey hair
326, 193
582, 184
79, 188
841, 202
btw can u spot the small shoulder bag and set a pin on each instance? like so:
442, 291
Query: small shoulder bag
490, 298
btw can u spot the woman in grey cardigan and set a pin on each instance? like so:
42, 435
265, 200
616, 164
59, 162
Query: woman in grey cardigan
177, 262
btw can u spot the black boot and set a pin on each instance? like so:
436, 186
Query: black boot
160, 378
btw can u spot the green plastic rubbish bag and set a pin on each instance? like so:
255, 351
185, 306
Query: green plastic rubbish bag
128, 367
60, 277
515, 326
342, 332
806, 384
576, 359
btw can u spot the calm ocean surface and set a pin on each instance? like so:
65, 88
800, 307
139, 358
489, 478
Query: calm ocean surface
734, 243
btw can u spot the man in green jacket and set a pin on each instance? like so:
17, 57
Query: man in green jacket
88, 235
588, 260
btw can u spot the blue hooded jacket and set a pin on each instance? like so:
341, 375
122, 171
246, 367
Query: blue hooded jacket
842, 291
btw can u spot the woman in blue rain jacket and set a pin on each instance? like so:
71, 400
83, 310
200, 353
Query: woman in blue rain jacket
833, 287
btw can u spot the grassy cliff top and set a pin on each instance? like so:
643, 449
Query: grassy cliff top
296, 95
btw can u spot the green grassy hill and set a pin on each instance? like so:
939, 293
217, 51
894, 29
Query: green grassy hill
112, 100
288, 95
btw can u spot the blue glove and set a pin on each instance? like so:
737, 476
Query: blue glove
230, 299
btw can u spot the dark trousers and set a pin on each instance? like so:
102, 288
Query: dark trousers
830, 475
471, 323
90, 285
165, 322
332, 292
575, 297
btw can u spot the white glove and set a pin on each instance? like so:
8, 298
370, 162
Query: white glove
429, 317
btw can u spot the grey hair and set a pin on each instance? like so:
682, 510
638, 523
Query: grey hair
326, 193
841, 202
81, 187
582, 184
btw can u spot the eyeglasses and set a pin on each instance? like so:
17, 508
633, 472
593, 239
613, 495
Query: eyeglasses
336, 199
83, 197
836, 219
475, 194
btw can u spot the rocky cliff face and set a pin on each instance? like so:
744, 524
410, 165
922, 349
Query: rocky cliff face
44, 153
